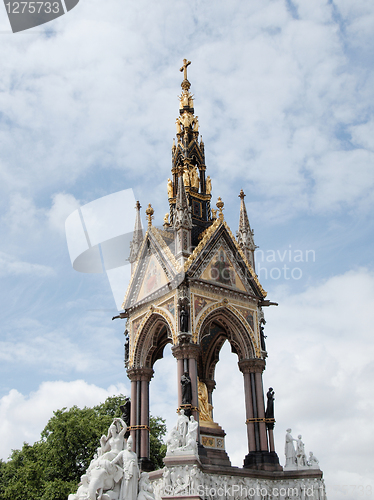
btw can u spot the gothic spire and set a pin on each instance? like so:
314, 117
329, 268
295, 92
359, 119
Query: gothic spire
137, 236
245, 233
188, 162
182, 214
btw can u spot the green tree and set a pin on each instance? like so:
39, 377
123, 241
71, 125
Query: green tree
50, 469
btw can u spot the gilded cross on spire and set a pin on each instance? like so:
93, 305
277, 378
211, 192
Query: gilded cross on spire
184, 67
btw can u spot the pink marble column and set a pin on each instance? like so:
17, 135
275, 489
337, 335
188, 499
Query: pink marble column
249, 412
145, 377
192, 366
271, 440
133, 412
261, 411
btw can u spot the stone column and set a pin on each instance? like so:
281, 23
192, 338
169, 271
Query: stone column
139, 417
254, 403
192, 366
133, 412
146, 375
261, 411
187, 355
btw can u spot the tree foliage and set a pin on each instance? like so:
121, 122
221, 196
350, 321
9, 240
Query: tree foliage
50, 469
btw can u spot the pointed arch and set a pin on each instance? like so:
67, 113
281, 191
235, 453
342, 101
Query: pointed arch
154, 333
222, 322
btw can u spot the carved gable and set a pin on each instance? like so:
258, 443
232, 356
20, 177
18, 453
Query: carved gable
154, 278
155, 268
219, 260
221, 271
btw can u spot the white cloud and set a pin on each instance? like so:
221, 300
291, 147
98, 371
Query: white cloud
9, 266
23, 417
258, 74
63, 204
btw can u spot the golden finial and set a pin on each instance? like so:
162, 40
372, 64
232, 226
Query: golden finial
149, 213
185, 84
220, 206
138, 206
184, 67
241, 195
166, 220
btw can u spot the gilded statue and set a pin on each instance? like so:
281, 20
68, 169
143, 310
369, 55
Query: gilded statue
205, 408
178, 125
195, 181
166, 220
186, 119
208, 185
170, 188
196, 124
186, 177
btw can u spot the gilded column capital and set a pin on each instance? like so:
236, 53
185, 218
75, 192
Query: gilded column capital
186, 351
135, 374
254, 365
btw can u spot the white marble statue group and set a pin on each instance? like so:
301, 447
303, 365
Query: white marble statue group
296, 457
113, 474
182, 438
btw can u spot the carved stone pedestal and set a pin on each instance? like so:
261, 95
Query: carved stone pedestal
262, 460
212, 450
200, 482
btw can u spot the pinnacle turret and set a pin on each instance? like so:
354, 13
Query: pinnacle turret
245, 233
137, 240
182, 214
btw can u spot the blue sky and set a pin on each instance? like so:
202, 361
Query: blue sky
284, 95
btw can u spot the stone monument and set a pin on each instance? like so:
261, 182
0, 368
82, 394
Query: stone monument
194, 286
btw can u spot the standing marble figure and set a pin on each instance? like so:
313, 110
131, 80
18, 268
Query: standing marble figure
289, 450
129, 484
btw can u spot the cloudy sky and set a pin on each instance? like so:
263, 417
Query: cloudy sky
284, 94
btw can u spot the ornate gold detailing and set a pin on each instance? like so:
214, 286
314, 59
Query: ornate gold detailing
220, 206
184, 67
214, 214
149, 213
166, 220
201, 245
195, 181
238, 316
205, 408
166, 249
145, 318
241, 253
266, 420
136, 427
199, 196
187, 407
208, 185
241, 195
170, 188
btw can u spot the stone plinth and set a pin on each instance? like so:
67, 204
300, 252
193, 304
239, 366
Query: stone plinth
204, 482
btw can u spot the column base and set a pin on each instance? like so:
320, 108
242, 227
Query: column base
146, 465
262, 460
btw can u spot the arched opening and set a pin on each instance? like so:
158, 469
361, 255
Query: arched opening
223, 337
229, 404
